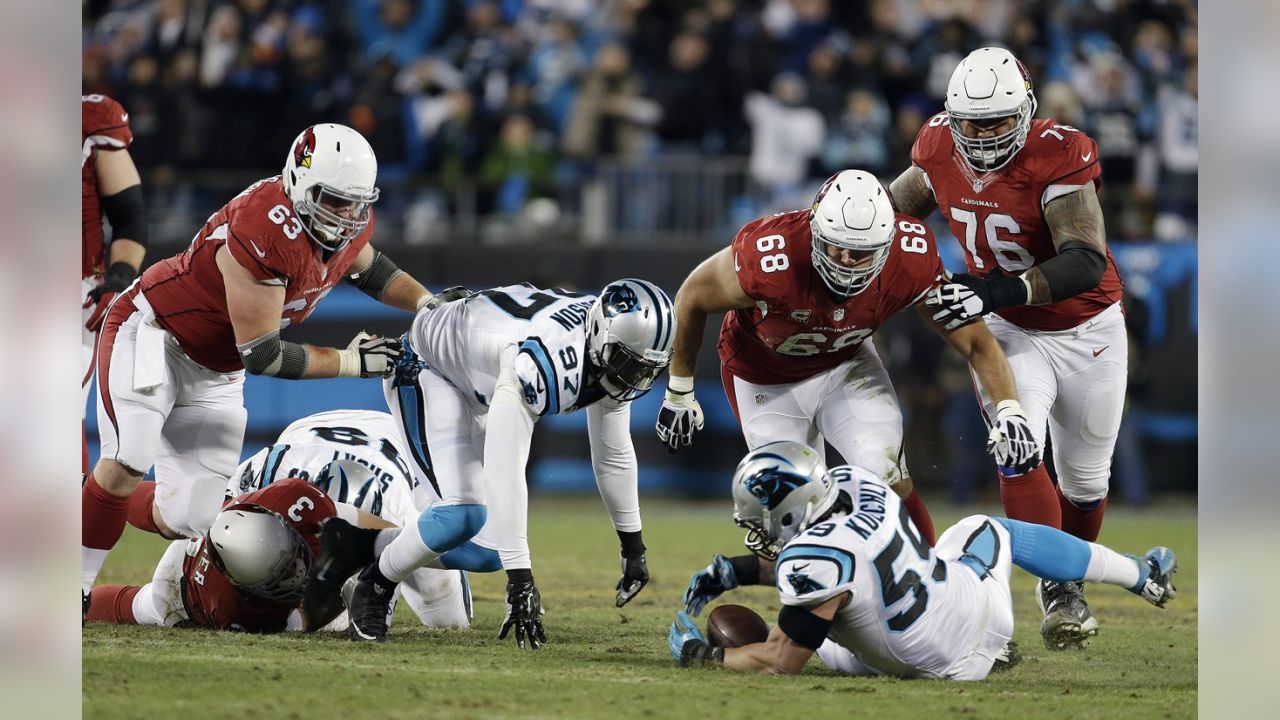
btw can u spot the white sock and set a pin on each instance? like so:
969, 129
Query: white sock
91, 560
1108, 566
406, 553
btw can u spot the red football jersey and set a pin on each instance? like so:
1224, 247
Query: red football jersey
262, 233
104, 125
797, 329
998, 217
209, 597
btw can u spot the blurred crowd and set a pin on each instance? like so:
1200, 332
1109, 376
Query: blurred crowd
522, 99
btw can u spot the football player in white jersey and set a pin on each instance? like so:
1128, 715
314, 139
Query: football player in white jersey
475, 377
859, 586
358, 459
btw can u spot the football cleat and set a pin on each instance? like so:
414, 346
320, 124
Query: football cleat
368, 608
1157, 588
1008, 656
1068, 622
338, 561
84, 608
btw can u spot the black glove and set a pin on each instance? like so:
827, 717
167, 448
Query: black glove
635, 575
117, 278
524, 610
964, 298
448, 295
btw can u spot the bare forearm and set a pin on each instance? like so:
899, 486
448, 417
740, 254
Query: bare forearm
753, 658
690, 324
127, 251
404, 293
911, 194
993, 371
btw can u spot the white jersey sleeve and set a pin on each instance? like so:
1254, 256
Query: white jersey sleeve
811, 570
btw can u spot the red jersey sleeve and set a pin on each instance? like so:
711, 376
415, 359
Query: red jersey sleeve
770, 255
262, 246
1064, 158
300, 503
104, 123
919, 265
929, 145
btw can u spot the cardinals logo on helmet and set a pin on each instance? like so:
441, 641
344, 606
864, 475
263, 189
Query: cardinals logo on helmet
306, 145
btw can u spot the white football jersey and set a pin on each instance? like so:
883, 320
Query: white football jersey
911, 612
305, 447
545, 330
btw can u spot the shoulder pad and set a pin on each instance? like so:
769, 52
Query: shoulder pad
810, 574
1060, 158
933, 141
104, 120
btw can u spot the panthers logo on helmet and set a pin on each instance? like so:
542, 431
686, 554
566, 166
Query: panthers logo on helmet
306, 145
619, 299
771, 485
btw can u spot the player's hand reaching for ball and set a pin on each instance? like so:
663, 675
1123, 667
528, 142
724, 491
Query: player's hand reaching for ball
680, 416
369, 356
1010, 441
709, 583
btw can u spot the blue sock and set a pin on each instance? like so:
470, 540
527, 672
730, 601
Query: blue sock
1047, 552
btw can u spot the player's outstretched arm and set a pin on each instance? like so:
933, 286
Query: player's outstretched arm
712, 287
255, 308
911, 194
374, 274
613, 458
1079, 235
797, 636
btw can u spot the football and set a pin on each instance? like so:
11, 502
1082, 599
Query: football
735, 626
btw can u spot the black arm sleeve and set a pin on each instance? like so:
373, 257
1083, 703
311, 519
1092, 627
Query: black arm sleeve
127, 214
1077, 268
746, 568
375, 278
802, 626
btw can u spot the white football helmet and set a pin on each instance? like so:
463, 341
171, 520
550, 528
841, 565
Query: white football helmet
779, 490
330, 177
260, 553
630, 331
990, 83
851, 212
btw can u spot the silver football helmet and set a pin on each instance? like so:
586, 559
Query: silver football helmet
779, 490
990, 83
852, 219
630, 331
329, 176
260, 553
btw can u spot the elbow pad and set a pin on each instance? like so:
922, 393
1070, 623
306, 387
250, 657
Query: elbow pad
127, 214
1077, 268
269, 355
802, 626
375, 278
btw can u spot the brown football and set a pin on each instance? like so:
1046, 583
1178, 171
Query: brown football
735, 626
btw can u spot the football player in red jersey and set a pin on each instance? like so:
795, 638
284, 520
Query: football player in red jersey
174, 348
804, 291
1021, 197
110, 187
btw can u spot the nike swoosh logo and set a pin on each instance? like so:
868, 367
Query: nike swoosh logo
1087, 156
257, 249
1100, 350
736, 267
801, 568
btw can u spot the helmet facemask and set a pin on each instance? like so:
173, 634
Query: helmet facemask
779, 490
630, 331
846, 280
334, 218
993, 153
624, 375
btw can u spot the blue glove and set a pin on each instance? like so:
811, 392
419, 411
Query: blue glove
709, 583
688, 645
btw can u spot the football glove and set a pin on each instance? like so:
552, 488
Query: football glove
679, 418
1010, 441
688, 645
448, 295
709, 583
524, 613
635, 575
117, 278
369, 356
963, 298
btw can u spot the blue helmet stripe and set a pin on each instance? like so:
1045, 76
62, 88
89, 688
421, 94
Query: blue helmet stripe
659, 337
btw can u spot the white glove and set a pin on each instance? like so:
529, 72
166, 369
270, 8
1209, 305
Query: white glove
1010, 441
369, 356
958, 305
680, 416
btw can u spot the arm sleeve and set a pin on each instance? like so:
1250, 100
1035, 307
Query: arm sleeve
508, 433
613, 458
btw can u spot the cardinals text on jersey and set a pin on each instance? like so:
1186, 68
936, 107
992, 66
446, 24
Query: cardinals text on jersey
796, 329
998, 217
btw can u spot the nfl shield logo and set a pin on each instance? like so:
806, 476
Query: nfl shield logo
761, 398
800, 315
838, 315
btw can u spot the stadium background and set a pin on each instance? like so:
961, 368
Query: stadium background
568, 142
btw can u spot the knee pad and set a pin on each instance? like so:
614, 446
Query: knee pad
445, 527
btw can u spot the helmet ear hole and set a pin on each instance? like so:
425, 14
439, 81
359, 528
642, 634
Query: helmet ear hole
786, 519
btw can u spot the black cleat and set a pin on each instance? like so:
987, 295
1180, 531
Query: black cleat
1008, 657
369, 606
1068, 622
338, 561
1157, 588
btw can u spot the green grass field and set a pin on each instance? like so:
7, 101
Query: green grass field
601, 662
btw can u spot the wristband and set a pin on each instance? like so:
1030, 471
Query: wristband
746, 568
680, 385
632, 545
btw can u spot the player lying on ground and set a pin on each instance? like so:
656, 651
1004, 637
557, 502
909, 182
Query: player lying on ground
366, 446
475, 377
860, 587
804, 291
1021, 197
